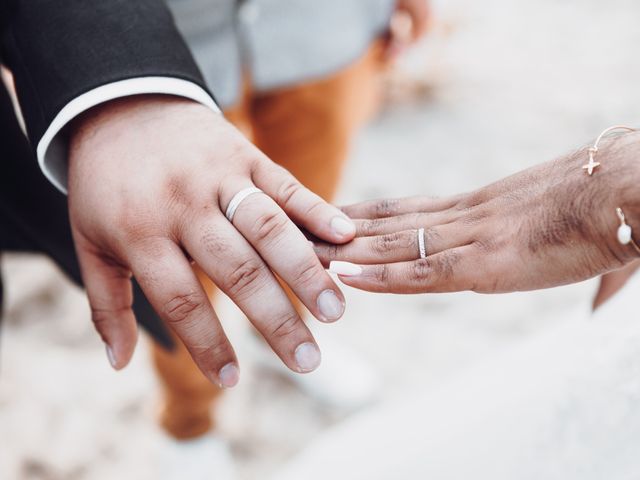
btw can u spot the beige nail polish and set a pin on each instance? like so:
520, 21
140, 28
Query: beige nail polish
346, 269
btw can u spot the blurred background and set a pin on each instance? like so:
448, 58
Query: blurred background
496, 86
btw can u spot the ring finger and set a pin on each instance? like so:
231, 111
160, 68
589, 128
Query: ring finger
396, 247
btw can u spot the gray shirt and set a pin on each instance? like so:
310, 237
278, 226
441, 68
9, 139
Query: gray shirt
276, 42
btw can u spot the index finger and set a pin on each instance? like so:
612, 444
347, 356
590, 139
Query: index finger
303, 206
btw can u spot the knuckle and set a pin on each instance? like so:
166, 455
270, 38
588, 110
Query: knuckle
371, 227
444, 265
307, 272
385, 208
385, 243
328, 252
485, 245
103, 318
100, 322
182, 307
269, 225
217, 349
100, 316
474, 216
416, 219
313, 206
366, 227
289, 189
432, 236
381, 274
333, 251
244, 277
176, 192
134, 232
419, 270
213, 242
285, 326
468, 202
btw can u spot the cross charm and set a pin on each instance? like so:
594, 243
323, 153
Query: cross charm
591, 166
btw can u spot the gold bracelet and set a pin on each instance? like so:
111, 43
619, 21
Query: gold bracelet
625, 234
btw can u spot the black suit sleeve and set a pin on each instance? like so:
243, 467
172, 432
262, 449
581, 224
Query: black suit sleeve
60, 49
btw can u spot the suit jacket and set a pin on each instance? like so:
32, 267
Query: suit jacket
58, 50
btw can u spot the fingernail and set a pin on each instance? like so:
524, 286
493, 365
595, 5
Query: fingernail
111, 356
229, 376
330, 306
343, 227
307, 357
345, 268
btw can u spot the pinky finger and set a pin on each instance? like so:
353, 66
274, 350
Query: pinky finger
109, 291
448, 271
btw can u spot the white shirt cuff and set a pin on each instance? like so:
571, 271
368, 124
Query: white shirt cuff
52, 149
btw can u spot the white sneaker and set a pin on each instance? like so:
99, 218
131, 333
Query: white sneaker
204, 458
344, 380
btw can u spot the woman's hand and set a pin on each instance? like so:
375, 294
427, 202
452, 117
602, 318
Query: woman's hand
546, 226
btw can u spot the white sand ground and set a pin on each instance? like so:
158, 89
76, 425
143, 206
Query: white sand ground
517, 82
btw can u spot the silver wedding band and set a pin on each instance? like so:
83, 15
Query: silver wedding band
237, 199
421, 244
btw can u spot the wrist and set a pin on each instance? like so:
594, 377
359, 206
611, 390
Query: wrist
620, 158
134, 108
618, 187
629, 189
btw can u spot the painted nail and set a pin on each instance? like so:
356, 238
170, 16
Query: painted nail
229, 376
330, 306
307, 357
342, 227
111, 357
346, 269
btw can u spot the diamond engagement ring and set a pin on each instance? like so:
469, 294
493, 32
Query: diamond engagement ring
421, 244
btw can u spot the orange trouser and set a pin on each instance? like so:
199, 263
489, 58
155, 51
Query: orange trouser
307, 129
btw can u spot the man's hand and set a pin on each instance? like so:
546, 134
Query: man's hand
409, 22
546, 226
149, 180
